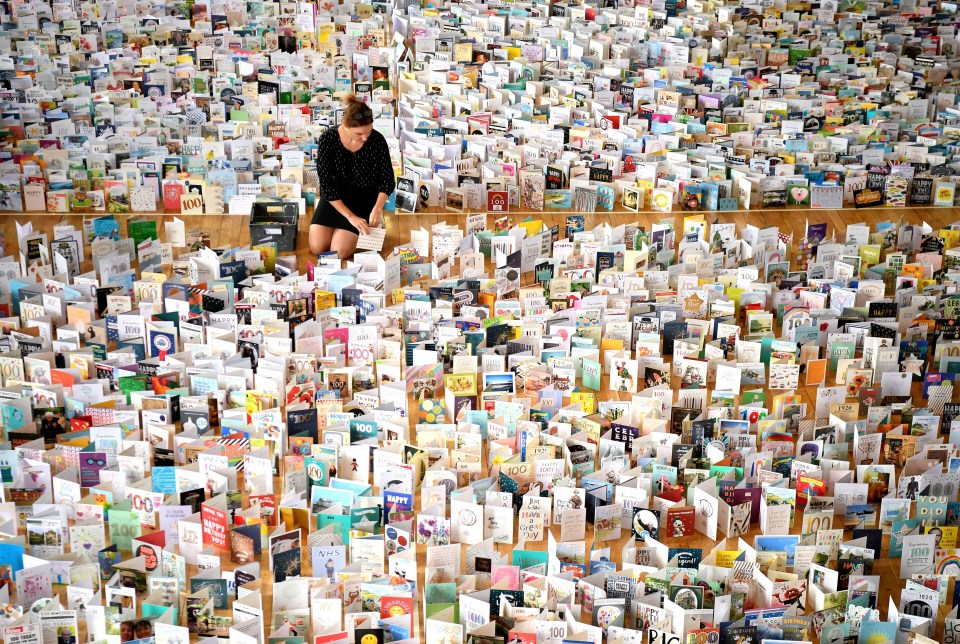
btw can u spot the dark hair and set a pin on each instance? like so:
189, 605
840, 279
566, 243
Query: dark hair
357, 113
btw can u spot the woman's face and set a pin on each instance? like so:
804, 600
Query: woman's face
358, 135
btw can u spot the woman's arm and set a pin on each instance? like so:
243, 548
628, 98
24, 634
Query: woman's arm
376, 215
326, 169
387, 182
342, 208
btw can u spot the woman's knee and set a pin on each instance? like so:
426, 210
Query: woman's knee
344, 251
318, 241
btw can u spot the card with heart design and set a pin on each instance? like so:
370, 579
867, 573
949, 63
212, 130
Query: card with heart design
798, 196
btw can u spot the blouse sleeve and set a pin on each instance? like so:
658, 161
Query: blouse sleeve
326, 170
387, 180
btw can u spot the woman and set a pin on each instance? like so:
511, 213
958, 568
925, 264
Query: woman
356, 179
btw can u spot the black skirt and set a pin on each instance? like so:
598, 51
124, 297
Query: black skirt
324, 214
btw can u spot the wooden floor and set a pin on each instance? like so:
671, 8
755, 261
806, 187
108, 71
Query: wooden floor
233, 230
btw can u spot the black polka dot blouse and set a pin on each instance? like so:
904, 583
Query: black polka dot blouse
342, 172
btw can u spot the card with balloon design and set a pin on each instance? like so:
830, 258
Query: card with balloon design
609, 612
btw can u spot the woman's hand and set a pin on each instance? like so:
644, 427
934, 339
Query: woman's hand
362, 227
376, 217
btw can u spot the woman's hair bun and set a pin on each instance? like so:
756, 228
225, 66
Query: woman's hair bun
356, 113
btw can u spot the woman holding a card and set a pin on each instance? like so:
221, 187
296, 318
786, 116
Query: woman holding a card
356, 179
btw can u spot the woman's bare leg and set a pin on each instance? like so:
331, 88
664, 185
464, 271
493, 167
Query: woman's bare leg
320, 238
345, 243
